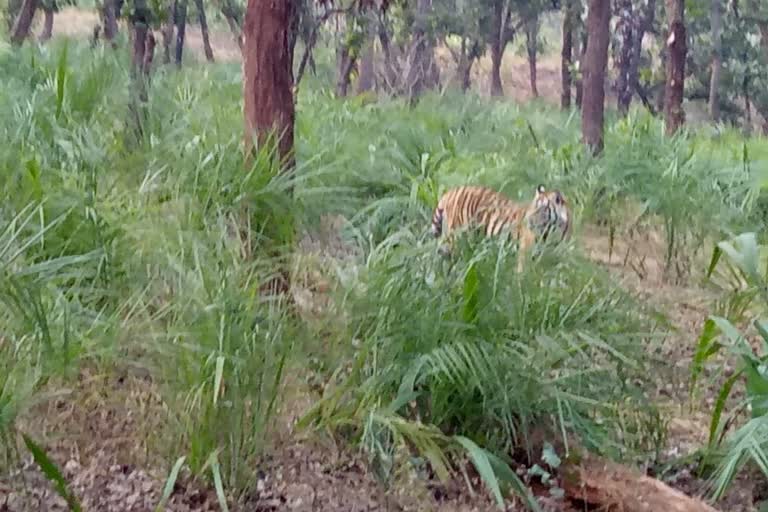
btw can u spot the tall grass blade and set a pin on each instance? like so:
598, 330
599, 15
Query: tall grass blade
170, 483
52, 473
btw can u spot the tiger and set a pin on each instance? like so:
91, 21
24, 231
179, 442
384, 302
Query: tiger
547, 213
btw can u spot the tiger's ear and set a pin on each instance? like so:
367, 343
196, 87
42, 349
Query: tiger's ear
540, 190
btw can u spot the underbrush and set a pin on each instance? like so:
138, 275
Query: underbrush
123, 252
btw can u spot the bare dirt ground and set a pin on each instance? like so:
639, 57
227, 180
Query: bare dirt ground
98, 431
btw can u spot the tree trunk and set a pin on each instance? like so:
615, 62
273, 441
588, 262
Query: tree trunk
580, 80
566, 55
204, 30
268, 76
181, 29
235, 29
365, 78
715, 21
139, 93
344, 64
595, 62
47, 32
110, 21
168, 32
23, 21
637, 48
464, 65
675, 79
497, 48
268, 106
421, 63
531, 46
626, 29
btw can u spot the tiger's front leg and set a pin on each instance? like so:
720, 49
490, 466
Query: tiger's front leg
527, 239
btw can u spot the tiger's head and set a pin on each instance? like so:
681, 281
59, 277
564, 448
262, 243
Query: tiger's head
549, 212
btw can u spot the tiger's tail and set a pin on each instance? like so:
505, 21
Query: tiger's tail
437, 221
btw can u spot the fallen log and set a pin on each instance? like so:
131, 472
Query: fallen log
608, 486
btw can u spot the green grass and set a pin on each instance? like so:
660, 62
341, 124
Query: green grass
116, 251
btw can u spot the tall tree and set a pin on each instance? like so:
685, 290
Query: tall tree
109, 13
595, 62
181, 29
532, 47
645, 25
23, 22
716, 26
422, 51
268, 105
582, 52
626, 27
675, 74
566, 55
204, 30
49, 8
498, 40
365, 77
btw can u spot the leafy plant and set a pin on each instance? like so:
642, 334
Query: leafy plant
749, 442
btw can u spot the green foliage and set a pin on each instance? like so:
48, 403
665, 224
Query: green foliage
744, 258
151, 255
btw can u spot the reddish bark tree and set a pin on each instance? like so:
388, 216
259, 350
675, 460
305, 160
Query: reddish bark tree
268, 107
675, 75
566, 55
595, 62
23, 21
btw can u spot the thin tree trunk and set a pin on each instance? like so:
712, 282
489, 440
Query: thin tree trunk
637, 48
365, 78
626, 28
420, 65
268, 76
168, 32
204, 30
582, 53
464, 65
497, 48
235, 29
181, 29
675, 80
595, 62
23, 21
715, 21
531, 45
139, 93
344, 64
110, 21
47, 32
389, 69
566, 55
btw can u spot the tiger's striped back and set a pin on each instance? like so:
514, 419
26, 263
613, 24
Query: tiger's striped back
481, 206
467, 205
